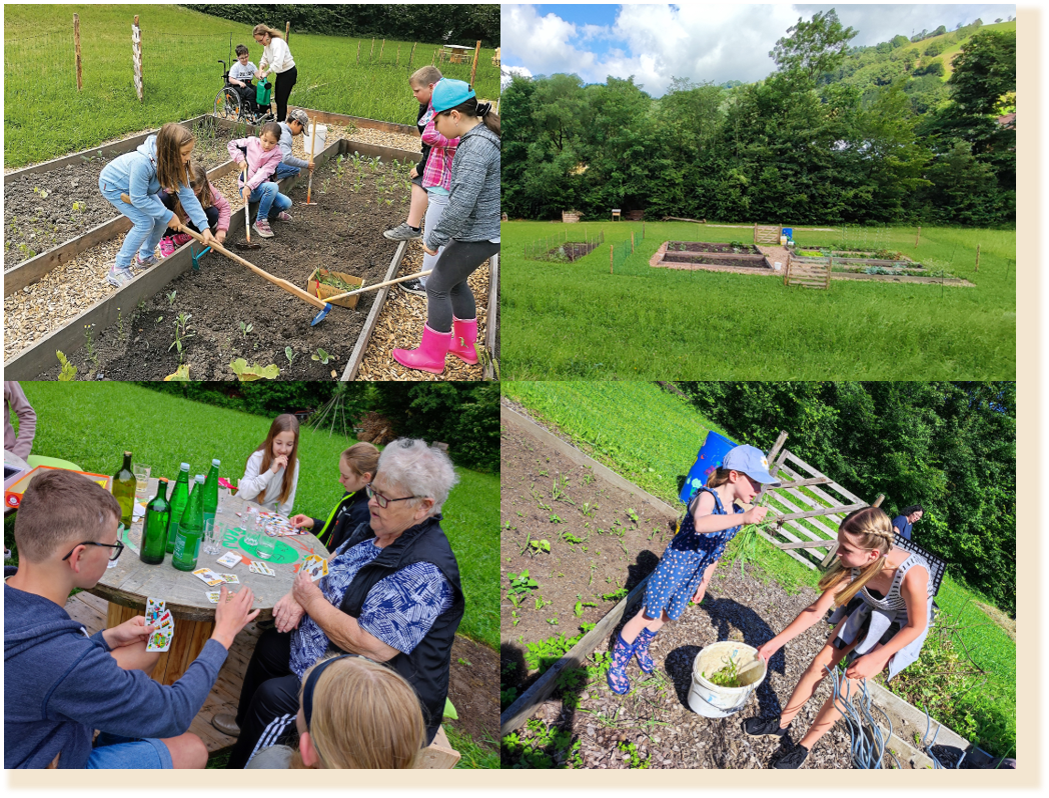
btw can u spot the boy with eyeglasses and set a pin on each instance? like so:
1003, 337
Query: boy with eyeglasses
61, 684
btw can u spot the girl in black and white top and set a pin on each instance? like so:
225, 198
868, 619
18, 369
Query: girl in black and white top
276, 58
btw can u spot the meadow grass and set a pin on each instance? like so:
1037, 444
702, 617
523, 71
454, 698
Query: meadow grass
93, 423
45, 116
577, 321
633, 427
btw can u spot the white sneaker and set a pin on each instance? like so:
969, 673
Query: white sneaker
118, 277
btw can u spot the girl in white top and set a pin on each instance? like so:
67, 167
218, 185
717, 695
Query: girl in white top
272, 472
276, 58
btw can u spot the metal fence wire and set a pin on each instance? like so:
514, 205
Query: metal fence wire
627, 258
555, 248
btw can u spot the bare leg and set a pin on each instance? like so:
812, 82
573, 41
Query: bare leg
640, 621
829, 713
828, 657
187, 751
136, 658
418, 206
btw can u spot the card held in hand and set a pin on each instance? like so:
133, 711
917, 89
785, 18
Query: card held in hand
316, 566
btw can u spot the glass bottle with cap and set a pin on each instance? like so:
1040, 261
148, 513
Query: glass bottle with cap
179, 498
190, 529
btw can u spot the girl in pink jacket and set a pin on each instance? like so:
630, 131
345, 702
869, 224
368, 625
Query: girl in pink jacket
262, 156
216, 208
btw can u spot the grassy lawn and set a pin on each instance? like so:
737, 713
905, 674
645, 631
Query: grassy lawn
180, 51
91, 424
649, 436
570, 321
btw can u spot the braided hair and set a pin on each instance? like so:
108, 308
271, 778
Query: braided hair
870, 528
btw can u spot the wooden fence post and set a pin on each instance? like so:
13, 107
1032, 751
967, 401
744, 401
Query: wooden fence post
611, 256
397, 60
917, 236
287, 31
136, 56
372, 51
381, 48
76, 46
477, 53
411, 55
977, 257
631, 243
358, 51
434, 59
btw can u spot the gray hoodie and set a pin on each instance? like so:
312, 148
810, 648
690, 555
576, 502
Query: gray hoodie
473, 208
60, 685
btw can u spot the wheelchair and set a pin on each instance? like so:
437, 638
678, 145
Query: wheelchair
230, 104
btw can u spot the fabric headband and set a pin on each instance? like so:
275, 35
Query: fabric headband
483, 109
311, 684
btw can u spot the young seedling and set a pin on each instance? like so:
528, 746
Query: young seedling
68, 373
171, 298
322, 356
290, 354
246, 328
555, 519
632, 514
182, 333
539, 545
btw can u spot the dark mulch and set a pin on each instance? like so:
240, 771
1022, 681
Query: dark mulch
474, 689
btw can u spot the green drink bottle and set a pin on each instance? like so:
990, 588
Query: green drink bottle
124, 491
211, 492
179, 497
155, 526
190, 530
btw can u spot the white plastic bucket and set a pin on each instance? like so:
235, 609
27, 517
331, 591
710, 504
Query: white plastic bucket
783, 241
708, 699
322, 137
777, 266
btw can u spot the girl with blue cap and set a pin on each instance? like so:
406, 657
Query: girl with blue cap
689, 561
468, 230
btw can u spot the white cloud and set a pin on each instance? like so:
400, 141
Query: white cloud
507, 72
543, 43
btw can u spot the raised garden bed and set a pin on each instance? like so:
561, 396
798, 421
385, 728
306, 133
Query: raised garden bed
583, 541
733, 248
570, 252
709, 256
44, 208
357, 199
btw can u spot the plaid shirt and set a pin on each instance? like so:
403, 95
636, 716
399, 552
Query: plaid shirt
438, 169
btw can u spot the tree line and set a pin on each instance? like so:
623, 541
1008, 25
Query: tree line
441, 22
810, 144
949, 446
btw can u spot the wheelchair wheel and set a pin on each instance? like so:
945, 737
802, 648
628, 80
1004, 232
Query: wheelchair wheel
227, 105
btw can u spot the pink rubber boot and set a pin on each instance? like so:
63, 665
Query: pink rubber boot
431, 352
464, 335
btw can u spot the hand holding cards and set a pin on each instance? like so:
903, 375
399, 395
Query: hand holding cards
316, 566
160, 618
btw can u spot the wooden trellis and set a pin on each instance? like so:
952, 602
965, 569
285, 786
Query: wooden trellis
821, 510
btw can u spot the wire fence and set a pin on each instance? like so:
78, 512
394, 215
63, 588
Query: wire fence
626, 259
558, 249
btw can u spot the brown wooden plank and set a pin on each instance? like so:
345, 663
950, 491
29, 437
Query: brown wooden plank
492, 321
789, 552
364, 337
847, 494
328, 118
825, 511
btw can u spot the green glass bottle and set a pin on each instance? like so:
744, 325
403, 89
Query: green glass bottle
179, 497
190, 530
155, 526
124, 491
211, 492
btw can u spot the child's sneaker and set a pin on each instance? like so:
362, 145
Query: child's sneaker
403, 232
262, 227
793, 759
764, 727
167, 246
283, 216
118, 277
139, 264
414, 287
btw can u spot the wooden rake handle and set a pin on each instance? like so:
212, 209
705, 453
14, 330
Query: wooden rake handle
380, 285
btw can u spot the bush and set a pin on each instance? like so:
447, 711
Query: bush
263, 398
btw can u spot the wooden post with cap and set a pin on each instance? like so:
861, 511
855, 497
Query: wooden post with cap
76, 47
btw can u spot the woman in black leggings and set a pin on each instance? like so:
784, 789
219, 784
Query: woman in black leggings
276, 58
469, 227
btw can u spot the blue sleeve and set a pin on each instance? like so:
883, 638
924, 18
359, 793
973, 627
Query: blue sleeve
401, 609
191, 205
97, 692
138, 190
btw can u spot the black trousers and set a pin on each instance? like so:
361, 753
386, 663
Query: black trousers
446, 290
282, 90
270, 690
169, 201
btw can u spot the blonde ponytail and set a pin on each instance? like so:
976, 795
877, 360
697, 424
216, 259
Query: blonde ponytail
871, 529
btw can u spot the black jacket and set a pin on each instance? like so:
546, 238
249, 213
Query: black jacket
349, 513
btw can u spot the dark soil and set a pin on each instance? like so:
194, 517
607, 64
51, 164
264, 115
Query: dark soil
615, 551
757, 262
473, 689
571, 251
343, 232
38, 207
703, 246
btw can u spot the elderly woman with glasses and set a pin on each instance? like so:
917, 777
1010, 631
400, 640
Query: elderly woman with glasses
392, 594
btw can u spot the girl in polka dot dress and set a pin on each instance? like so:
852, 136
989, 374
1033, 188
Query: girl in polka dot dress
689, 561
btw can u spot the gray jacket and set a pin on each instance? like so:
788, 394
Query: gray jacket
473, 208
285, 143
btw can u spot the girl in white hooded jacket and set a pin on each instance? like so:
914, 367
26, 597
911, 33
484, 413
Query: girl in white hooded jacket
272, 472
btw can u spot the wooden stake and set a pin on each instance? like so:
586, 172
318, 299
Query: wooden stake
76, 46
977, 257
397, 60
358, 51
473, 72
611, 256
287, 31
136, 57
381, 48
411, 55
372, 52
434, 59
631, 243
917, 236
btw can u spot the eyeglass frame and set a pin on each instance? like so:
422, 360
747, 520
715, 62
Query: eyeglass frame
383, 501
119, 546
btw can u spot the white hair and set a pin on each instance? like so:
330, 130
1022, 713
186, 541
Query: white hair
421, 470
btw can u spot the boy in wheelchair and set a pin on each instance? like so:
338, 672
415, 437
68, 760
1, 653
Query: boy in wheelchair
241, 73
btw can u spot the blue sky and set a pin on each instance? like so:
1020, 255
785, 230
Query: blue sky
702, 42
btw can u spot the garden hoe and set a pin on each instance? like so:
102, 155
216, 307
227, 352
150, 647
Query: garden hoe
309, 185
380, 285
247, 219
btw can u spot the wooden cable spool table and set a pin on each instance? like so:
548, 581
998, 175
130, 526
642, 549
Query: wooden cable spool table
128, 584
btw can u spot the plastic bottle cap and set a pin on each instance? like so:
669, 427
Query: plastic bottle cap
215, 462
185, 467
199, 478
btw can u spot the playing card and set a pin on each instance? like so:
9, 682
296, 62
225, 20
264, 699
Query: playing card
229, 559
165, 621
213, 596
160, 640
257, 567
209, 577
154, 609
316, 567
230, 579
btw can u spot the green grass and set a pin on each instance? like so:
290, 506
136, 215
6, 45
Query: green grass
576, 321
91, 424
45, 116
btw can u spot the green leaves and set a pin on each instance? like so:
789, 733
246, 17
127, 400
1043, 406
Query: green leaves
246, 373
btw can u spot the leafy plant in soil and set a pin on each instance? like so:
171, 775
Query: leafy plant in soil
246, 373
520, 585
68, 373
537, 546
182, 333
322, 356
327, 278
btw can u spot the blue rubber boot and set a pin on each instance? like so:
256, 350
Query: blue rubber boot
623, 652
644, 659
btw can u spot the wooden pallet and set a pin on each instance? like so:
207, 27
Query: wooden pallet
91, 611
807, 275
767, 235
